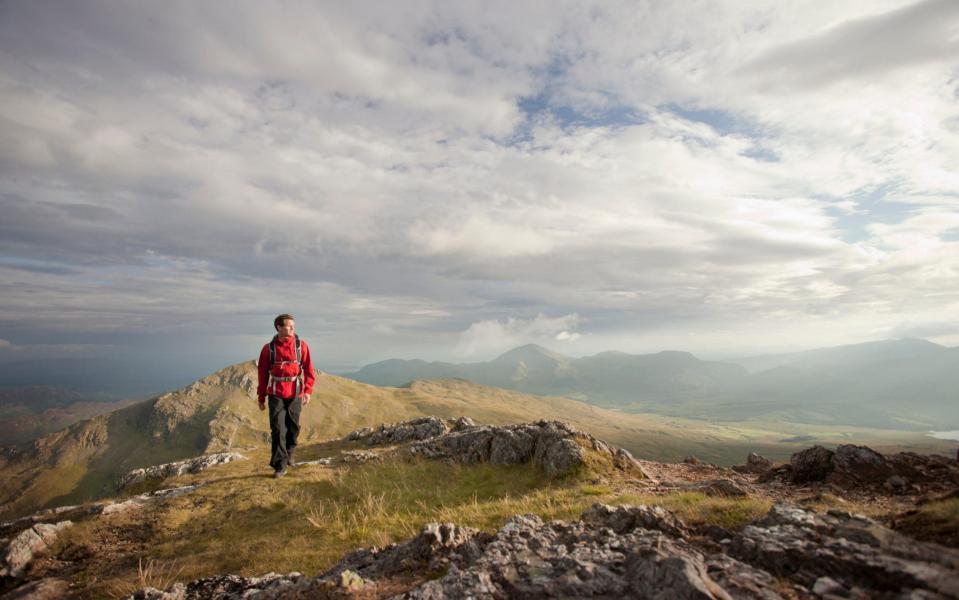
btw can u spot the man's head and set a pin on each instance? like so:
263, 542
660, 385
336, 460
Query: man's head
284, 325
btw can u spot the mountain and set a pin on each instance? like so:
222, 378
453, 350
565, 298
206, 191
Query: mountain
910, 384
849, 356
218, 413
611, 379
29, 412
898, 384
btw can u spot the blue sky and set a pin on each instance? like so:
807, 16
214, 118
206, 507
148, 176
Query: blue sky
449, 180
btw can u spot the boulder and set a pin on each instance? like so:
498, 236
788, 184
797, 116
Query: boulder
858, 465
20, 551
755, 464
811, 464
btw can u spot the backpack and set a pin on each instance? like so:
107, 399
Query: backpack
297, 378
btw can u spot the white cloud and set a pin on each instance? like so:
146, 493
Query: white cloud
377, 166
485, 339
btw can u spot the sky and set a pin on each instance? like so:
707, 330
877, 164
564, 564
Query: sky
448, 180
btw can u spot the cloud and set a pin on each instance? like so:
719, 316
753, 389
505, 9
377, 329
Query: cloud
484, 339
863, 47
431, 169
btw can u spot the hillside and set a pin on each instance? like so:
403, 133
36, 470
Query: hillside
891, 384
390, 509
218, 413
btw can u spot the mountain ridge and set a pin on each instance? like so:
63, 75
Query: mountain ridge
218, 413
843, 385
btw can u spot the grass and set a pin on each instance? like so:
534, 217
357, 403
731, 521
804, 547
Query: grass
936, 521
242, 521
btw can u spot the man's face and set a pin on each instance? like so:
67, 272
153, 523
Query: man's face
286, 329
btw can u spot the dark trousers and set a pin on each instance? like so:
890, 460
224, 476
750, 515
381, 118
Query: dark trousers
284, 429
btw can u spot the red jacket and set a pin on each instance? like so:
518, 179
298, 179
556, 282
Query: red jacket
285, 351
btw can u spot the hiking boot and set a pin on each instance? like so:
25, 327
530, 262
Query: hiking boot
289, 461
279, 473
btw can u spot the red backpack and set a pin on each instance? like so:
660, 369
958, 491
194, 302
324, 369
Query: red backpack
298, 378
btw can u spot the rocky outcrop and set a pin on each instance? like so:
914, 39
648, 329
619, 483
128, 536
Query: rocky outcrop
193, 465
437, 547
555, 446
851, 466
30, 542
811, 464
142, 500
409, 431
846, 555
755, 464
624, 552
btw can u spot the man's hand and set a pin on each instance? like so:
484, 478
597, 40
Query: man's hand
306, 399
262, 404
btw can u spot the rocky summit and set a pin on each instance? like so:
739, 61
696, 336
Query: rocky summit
555, 446
623, 552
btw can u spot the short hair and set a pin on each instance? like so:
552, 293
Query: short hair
279, 320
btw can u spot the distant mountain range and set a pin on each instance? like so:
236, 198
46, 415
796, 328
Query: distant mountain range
29, 412
904, 384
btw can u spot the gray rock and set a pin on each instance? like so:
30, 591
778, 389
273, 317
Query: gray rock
29, 543
628, 552
852, 550
556, 447
811, 464
852, 465
755, 463
359, 456
193, 465
407, 431
222, 587
437, 546
623, 519
531, 559
138, 502
896, 483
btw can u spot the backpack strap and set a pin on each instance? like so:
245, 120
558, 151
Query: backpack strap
299, 376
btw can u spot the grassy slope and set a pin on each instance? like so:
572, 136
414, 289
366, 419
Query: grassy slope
244, 522
219, 413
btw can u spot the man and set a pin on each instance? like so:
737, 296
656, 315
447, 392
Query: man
285, 375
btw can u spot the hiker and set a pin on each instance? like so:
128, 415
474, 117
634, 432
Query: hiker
285, 376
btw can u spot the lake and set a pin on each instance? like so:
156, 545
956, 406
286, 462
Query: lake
945, 435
